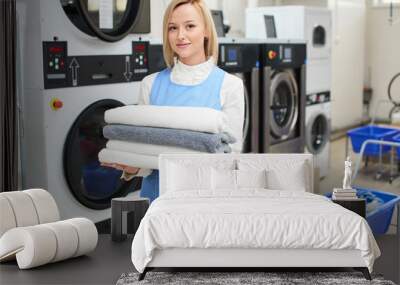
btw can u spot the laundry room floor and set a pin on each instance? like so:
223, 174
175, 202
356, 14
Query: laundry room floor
111, 259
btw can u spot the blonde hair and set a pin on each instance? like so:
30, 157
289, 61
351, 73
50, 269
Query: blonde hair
210, 43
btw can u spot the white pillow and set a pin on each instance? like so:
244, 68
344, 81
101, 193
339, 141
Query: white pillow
251, 178
227, 179
295, 180
183, 177
282, 174
223, 179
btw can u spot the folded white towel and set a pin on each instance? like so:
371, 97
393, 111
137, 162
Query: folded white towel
128, 158
186, 118
144, 148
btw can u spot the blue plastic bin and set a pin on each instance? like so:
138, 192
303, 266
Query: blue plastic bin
380, 218
359, 135
396, 139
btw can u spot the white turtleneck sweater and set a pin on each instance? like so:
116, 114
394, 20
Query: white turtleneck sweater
232, 96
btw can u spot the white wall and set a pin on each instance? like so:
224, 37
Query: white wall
349, 20
383, 57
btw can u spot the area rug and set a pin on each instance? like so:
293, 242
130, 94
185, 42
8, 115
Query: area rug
244, 278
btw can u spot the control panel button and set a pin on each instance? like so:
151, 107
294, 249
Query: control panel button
56, 104
272, 54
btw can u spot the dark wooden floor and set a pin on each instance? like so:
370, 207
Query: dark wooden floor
110, 260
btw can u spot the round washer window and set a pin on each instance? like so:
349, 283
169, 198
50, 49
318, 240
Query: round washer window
284, 104
317, 134
92, 184
110, 22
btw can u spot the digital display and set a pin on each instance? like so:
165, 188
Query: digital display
287, 53
139, 48
218, 22
270, 26
56, 49
232, 54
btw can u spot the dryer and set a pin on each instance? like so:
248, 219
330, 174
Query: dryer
282, 96
318, 126
310, 24
240, 57
77, 59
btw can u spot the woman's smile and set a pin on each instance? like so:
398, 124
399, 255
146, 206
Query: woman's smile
183, 45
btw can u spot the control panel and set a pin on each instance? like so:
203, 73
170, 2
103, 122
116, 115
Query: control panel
230, 55
54, 64
238, 57
140, 57
284, 55
318, 98
61, 70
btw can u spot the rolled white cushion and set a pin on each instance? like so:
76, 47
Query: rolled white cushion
87, 235
23, 208
37, 245
67, 239
33, 246
186, 118
46, 207
7, 218
127, 158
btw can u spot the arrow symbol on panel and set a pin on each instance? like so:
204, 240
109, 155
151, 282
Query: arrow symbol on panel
127, 73
74, 71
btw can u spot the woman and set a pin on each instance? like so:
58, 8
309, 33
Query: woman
191, 79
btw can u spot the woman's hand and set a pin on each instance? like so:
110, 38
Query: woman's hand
127, 169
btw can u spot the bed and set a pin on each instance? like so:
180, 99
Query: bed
247, 210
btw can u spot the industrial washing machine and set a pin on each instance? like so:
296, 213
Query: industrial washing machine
240, 57
310, 24
318, 127
282, 96
77, 59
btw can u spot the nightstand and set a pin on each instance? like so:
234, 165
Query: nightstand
357, 206
121, 207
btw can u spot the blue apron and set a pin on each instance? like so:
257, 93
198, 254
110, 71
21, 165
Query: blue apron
166, 93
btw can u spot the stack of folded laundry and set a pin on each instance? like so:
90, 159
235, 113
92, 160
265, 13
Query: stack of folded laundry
344, 194
137, 134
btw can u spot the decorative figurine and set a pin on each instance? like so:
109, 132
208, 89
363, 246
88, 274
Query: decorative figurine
347, 174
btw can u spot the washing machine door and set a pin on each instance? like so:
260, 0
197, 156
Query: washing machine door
108, 20
92, 184
317, 133
284, 104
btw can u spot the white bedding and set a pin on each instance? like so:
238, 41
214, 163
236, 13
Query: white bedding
253, 218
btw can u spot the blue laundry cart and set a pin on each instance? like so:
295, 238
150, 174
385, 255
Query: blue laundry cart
396, 139
361, 134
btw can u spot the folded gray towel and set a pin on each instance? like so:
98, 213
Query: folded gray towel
204, 142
